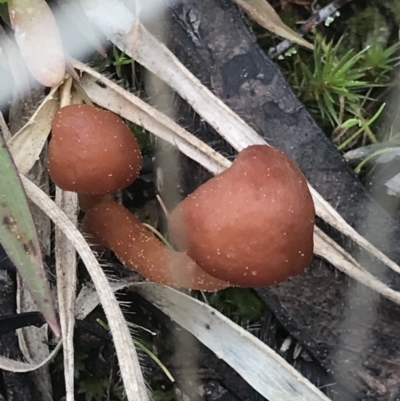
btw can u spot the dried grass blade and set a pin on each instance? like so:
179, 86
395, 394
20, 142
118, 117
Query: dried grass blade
11, 365
330, 215
27, 144
127, 356
66, 265
266, 371
129, 106
328, 249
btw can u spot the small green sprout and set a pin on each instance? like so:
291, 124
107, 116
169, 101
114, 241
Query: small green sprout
359, 167
120, 59
365, 124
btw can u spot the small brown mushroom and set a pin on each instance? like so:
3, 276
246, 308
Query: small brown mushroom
92, 151
113, 226
251, 225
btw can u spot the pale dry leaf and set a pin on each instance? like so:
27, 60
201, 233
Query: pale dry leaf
11, 365
66, 92
88, 300
131, 373
112, 97
155, 56
77, 97
66, 265
264, 14
27, 144
266, 371
135, 36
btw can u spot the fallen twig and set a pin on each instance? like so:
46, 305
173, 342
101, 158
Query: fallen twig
312, 22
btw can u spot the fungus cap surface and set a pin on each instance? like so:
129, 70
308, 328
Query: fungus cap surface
251, 225
92, 151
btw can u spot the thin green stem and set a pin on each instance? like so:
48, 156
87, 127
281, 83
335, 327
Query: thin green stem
159, 235
357, 170
363, 128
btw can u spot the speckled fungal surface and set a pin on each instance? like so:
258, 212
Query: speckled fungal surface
113, 226
92, 151
251, 225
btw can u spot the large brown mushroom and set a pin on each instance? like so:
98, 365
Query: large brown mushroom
113, 226
251, 225
92, 151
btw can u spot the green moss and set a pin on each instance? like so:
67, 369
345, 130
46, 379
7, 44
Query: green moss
368, 26
240, 304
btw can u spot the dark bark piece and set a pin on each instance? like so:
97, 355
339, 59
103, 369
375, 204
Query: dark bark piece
348, 328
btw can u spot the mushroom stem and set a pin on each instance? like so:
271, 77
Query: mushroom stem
114, 227
87, 201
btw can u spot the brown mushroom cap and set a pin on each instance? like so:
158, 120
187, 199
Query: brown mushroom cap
251, 225
92, 151
114, 227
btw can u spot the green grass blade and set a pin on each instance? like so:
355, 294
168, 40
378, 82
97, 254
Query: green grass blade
19, 239
363, 128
